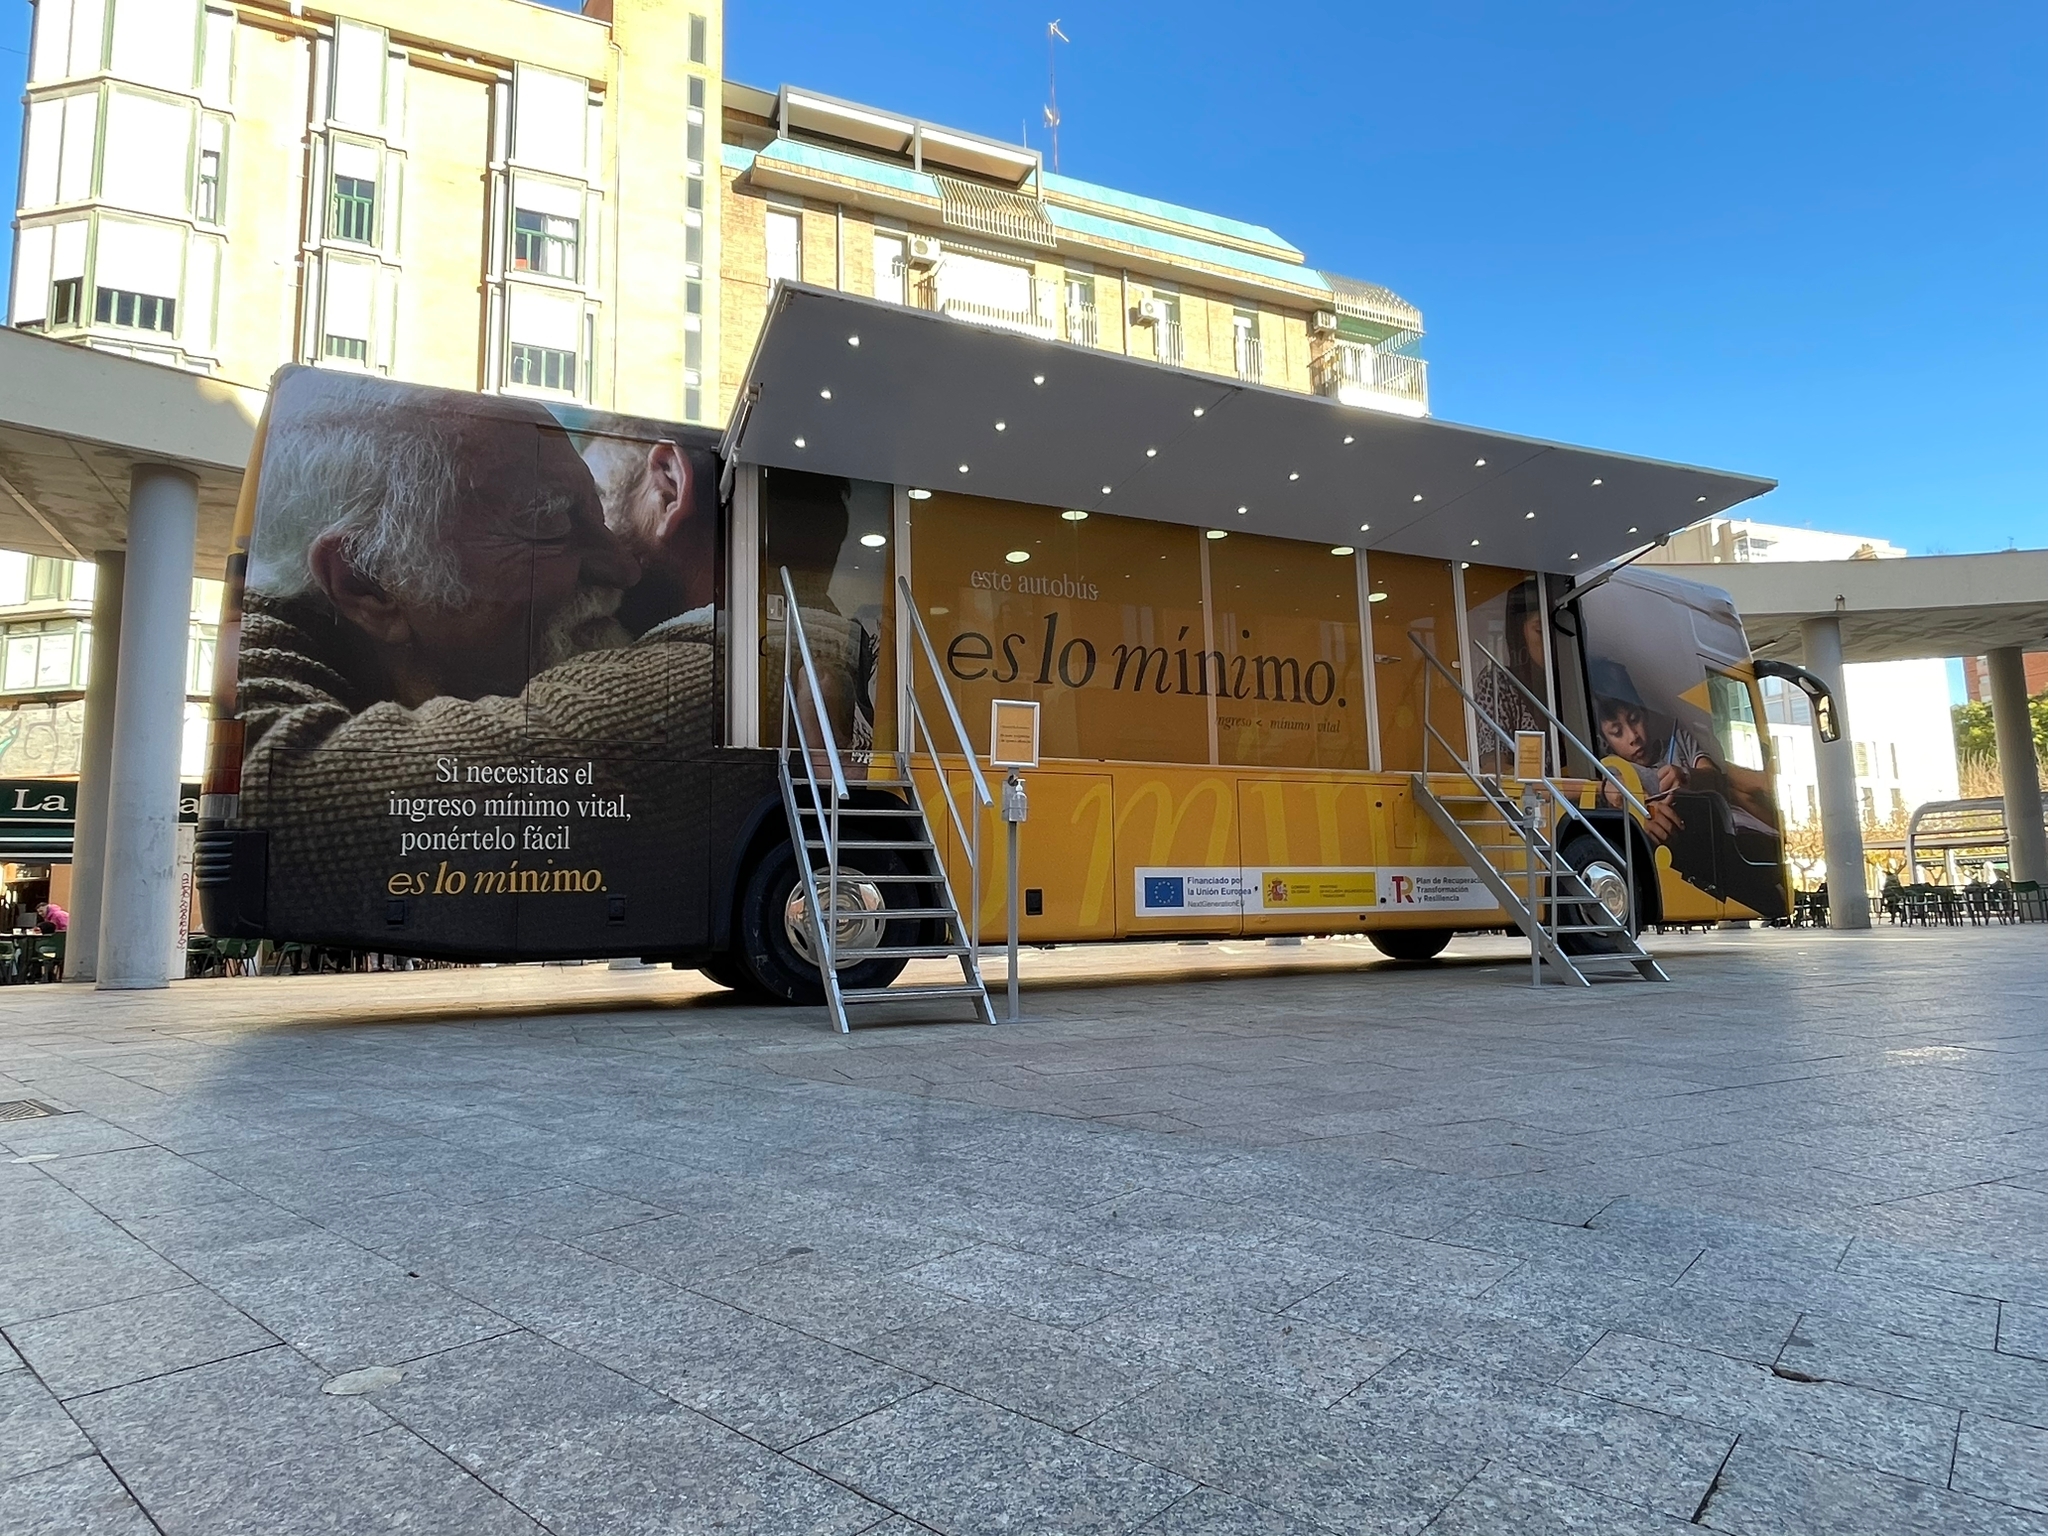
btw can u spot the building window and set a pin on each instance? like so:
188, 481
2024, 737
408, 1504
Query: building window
693, 242
693, 404
42, 657
785, 246
544, 368
67, 301
49, 579
1245, 350
137, 311
700, 40
208, 210
199, 660
544, 242
354, 215
347, 349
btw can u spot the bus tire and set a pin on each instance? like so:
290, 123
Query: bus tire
730, 971
774, 949
1410, 943
1589, 856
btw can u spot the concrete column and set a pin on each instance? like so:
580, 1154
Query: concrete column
89, 831
2019, 770
140, 896
1841, 818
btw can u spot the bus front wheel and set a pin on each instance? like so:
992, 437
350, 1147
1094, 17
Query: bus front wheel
1410, 943
775, 935
1607, 878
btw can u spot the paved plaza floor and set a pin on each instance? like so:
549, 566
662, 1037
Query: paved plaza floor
1226, 1240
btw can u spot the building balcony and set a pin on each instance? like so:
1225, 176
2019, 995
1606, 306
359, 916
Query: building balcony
1023, 322
1251, 359
1084, 325
1380, 381
1167, 344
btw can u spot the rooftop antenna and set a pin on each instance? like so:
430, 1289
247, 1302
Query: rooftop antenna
1052, 87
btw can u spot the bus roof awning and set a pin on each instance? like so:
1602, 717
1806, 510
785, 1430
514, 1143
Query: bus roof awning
851, 386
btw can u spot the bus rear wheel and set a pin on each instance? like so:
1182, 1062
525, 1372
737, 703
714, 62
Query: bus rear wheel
775, 936
1410, 943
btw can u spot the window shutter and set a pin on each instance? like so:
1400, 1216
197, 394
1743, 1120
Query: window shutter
548, 119
346, 308
358, 75
543, 318
32, 275
148, 153
139, 258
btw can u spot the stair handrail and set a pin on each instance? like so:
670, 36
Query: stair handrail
970, 838
796, 643
1564, 801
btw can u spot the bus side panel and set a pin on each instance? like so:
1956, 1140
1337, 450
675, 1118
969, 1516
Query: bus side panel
1065, 852
1312, 847
1177, 852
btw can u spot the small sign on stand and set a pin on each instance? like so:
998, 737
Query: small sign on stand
1013, 744
1529, 755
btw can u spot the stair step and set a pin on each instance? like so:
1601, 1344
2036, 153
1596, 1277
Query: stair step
862, 810
872, 842
911, 952
898, 994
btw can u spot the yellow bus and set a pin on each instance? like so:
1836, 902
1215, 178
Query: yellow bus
507, 678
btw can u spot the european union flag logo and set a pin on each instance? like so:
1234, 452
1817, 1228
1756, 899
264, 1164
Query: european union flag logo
1165, 891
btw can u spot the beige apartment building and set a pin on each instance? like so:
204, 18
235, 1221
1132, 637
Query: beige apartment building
499, 195
455, 192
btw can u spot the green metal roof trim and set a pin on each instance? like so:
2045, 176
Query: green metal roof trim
852, 167
1178, 247
1152, 207
734, 158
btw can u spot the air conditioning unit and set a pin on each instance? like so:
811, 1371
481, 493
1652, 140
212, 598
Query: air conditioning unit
1323, 323
925, 251
1150, 312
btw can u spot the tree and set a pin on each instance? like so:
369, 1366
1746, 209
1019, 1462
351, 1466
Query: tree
1977, 741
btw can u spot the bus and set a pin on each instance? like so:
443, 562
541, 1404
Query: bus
511, 679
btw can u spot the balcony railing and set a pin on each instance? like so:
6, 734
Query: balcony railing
1386, 381
1084, 326
1251, 359
1023, 321
1166, 341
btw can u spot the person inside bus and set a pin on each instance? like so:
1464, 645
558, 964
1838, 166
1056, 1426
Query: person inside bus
408, 551
660, 500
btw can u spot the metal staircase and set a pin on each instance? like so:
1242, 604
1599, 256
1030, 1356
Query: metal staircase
885, 826
1577, 919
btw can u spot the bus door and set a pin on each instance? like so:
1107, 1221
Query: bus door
1413, 604
834, 536
1504, 623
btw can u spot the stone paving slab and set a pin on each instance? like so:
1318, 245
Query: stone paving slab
1231, 1239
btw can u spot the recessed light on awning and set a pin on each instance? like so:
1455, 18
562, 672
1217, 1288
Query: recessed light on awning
1418, 496
1294, 474
1528, 516
1699, 498
1349, 440
1038, 378
1365, 527
963, 469
873, 540
1002, 426
1479, 463
799, 442
919, 493
1217, 533
853, 341
1105, 490
1343, 549
1242, 510
1631, 530
1075, 515
824, 394
1199, 409
1151, 453
1597, 482
1475, 543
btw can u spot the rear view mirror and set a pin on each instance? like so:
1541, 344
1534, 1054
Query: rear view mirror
1816, 691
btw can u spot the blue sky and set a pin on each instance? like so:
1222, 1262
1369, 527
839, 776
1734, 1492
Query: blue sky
1808, 241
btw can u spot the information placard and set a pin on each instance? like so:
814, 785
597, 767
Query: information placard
1013, 733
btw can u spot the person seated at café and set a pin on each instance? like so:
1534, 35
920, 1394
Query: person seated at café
52, 918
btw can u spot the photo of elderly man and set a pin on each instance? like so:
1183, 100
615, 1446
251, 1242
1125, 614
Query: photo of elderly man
431, 579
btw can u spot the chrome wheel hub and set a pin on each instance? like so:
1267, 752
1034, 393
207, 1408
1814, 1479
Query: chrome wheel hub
857, 913
1609, 887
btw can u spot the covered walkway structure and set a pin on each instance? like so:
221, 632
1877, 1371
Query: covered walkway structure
135, 467
1828, 612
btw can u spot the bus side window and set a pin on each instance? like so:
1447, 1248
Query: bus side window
1735, 724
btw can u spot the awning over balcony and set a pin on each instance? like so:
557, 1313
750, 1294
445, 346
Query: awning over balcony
916, 401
